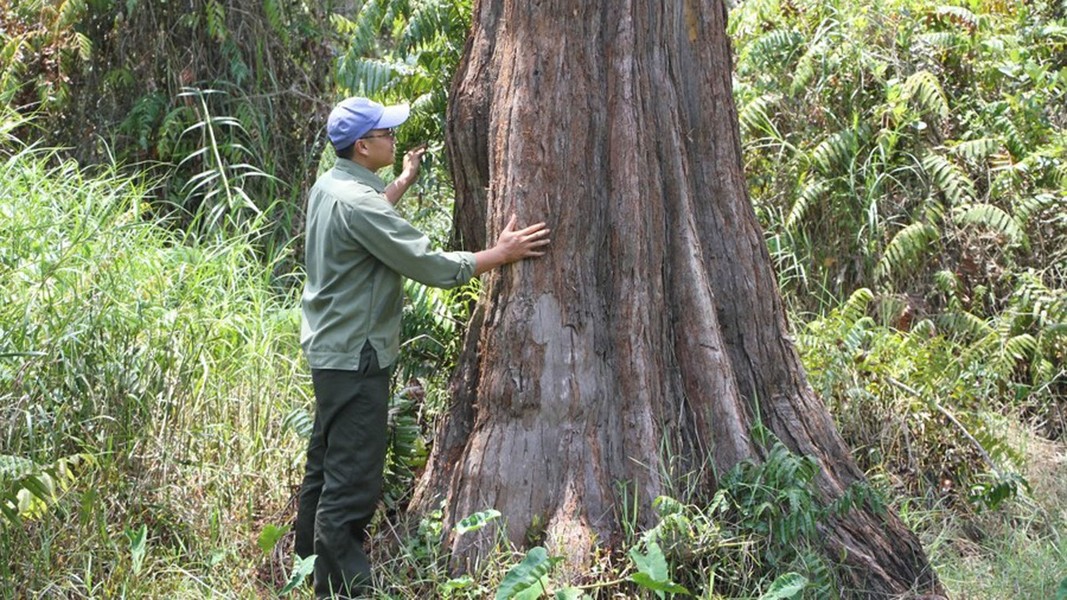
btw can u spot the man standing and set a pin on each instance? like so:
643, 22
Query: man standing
358, 249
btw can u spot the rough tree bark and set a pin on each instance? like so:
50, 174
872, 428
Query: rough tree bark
641, 348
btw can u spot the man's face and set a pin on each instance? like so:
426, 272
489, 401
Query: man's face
378, 145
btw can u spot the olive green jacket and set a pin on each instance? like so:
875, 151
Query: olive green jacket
358, 248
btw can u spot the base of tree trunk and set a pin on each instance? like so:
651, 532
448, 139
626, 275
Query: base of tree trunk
641, 351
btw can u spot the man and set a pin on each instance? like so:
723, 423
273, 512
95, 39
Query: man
357, 250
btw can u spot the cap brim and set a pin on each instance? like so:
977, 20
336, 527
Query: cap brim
393, 116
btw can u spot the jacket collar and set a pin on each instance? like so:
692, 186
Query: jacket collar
361, 174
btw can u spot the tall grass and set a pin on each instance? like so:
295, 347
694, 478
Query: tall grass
164, 363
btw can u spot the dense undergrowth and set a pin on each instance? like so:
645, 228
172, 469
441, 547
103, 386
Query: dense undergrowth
906, 158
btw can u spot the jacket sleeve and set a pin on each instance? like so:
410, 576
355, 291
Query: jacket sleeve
376, 225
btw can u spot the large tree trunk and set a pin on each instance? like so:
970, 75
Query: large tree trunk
640, 349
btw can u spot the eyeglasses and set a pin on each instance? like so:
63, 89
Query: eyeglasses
389, 133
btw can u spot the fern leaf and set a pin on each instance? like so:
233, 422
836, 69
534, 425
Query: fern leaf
976, 150
368, 25
1021, 347
964, 324
835, 153
906, 247
808, 196
69, 13
428, 21
948, 178
1014, 139
808, 64
959, 16
855, 308
84, 45
923, 330
215, 17
366, 77
276, 18
947, 282
775, 47
925, 90
343, 25
992, 218
754, 118
942, 40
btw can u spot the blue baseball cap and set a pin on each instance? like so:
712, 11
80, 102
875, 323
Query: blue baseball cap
354, 117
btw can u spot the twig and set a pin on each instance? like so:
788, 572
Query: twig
934, 404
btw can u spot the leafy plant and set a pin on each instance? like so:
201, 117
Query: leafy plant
526, 580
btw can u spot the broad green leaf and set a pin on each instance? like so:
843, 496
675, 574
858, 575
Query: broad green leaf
786, 586
570, 593
653, 564
643, 580
302, 567
269, 537
534, 592
476, 521
138, 540
526, 574
458, 583
653, 572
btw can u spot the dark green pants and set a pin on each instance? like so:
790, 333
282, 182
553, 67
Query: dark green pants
343, 478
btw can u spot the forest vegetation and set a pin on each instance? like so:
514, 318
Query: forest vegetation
907, 160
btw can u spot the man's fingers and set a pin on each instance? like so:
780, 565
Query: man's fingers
511, 223
532, 228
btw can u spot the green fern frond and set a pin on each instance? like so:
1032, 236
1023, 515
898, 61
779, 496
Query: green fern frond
239, 70
754, 118
14, 467
367, 77
965, 324
1046, 306
806, 68
775, 47
855, 308
84, 45
858, 334
431, 21
120, 78
69, 13
989, 435
925, 329
343, 25
924, 89
277, 19
1021, 347
215, 17
809, 195
948, 178
141, 121
300, 421
942, 40
992, 218
906, 247
976, 150
959, 16
947, 282
369, 23
1012, 137
835, 153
